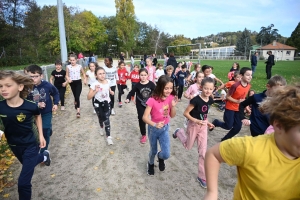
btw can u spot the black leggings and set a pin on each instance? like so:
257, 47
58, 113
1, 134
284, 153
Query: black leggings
103, 112
76, 87
140, 111
62, 91
180, 91
120, 91
112, 97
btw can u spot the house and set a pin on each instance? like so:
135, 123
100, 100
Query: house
279, 50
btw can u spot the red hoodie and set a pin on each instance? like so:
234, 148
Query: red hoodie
135, 76
123, 76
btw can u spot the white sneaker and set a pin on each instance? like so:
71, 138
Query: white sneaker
94, 112
113, 112
109, 140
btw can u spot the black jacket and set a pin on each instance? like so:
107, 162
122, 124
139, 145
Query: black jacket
172, 61
270, 60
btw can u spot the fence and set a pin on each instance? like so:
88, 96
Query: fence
195, 57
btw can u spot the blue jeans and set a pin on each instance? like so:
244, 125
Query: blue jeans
47, 128
29, 157
253, 69
162, 135
231, 122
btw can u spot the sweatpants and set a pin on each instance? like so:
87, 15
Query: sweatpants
62, 91
140, 111
121, 91
103, 112
269, 71
112, 97
231, 122
194, 133
29, 157
76, 87
180, 91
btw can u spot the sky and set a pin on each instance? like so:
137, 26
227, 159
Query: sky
194, 18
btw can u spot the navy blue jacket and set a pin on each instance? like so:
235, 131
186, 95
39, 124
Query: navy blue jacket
259, 121
253, 60
43, 93
180, 77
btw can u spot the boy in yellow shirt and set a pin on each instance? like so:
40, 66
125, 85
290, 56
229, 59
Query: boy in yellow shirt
268, 166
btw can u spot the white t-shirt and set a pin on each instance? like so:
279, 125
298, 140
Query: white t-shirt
74, 72
193, 74
159, 72
212, 76
103, 92
111, 75
91, 76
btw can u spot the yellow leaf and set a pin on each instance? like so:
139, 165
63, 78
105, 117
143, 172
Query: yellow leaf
6, 195
52, 175
118, 138
98, 189
111, 152
95, 168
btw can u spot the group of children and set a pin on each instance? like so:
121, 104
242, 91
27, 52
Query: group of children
156, 97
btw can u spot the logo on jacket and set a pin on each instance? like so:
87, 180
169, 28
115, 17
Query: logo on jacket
21, 117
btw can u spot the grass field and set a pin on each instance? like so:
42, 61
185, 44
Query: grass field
288, 69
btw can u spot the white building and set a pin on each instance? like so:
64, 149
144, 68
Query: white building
279, 50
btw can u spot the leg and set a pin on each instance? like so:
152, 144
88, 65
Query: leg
78, 92
237, 125
202, 146
47, 128
107, 123
112, 97
164, 142
253, 69
153, 137
120, 90
140, 111
180, 91
73, 88
228, 120
62, 92
192, 130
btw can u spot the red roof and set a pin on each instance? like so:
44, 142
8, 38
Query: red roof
277, 46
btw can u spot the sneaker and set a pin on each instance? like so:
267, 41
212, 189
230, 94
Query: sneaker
202, 182
113, 112
94, 111
109, 140
120, 104
62, 108
150, 169
47, 154
161, 163
143, 139
175, 132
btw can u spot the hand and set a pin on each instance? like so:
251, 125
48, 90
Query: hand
210, 125
241, 100
64, 84
70, 81
201, 122
42, 142
174, 101
41, 105
246, 122
54, 108
159, 125
127, 101
111, 92
84, 81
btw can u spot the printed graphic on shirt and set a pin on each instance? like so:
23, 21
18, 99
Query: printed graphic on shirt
165, 111
145, 93
135, 76
21, 117
38, 96
111, 75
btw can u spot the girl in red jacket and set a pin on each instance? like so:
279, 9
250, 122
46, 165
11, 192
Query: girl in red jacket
121, 83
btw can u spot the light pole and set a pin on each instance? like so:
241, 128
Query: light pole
62, 32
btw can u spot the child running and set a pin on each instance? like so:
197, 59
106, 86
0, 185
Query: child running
259, 122
151, 70
41, 95
60, 82
74, 78
268, 165
21, 121
194, 89
90, 74
160, 71
112, 76
123, 76
196, 113
100, 91
192, 76
134, 77
143, 91
235, 96
181, 76
161, 106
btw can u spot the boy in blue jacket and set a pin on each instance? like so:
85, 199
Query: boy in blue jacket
259, 122
41, 95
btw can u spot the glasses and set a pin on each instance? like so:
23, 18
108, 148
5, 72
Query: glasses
35, 76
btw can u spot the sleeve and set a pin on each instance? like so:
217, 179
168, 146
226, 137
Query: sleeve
249, 101
234, 151
150, 102
211, 101
53, 73
36, 110
154, 70
87, 73
55, 95
92, 86
232, 89
193, 101
189, 90
117, 75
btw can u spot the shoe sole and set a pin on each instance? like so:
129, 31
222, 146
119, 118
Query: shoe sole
205, 187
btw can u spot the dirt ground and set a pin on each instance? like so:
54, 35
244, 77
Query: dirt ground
84, 167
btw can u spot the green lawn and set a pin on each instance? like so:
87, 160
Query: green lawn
288, 69
20, 67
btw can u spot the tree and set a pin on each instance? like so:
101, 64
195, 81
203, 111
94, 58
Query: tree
294, 40
180, 40
243, 44
126, 24
267, 35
